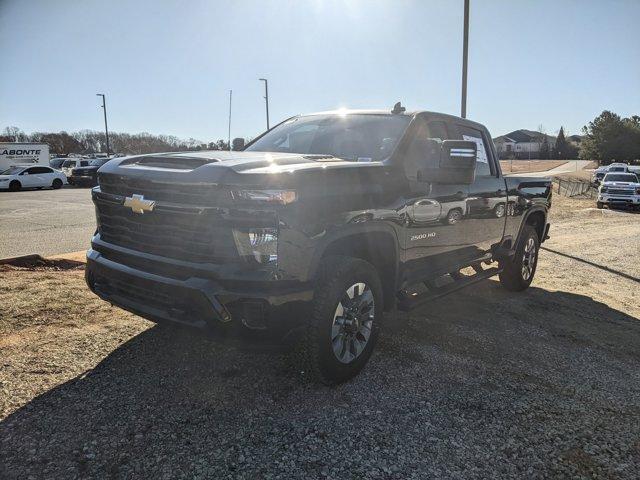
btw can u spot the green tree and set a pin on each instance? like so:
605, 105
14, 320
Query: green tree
609, 137
561, 147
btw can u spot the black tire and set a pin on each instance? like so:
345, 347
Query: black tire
57, 183
518, 272
453, 217
499, 210
599, 204
339, 273
15, 185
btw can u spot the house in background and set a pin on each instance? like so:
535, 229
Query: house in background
522, 144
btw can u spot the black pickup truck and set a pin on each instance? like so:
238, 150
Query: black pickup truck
315, 230
87, 176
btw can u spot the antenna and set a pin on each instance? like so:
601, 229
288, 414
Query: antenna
398, 108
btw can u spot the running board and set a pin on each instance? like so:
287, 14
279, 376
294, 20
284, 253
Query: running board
410, 302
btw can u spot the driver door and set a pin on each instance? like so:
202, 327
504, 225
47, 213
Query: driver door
29, 178
435, 213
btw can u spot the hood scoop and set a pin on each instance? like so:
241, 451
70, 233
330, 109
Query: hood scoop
168, 162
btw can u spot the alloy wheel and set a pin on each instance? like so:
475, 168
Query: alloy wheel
353, 322
529, 258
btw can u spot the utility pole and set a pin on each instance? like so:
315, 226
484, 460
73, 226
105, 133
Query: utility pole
266, 97
106, 129
229, 139
465, 56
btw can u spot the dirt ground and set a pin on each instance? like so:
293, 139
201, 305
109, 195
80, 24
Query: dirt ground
482, 384
522, 166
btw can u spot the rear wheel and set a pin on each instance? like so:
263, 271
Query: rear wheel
517, 273
346, 316
15, 185
454, 216
57, 183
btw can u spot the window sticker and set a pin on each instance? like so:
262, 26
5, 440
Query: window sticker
482, 154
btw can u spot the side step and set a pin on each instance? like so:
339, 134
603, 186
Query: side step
414, 301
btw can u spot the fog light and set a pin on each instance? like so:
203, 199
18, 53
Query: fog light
259, 243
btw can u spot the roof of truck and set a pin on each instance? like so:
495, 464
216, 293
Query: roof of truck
408, 113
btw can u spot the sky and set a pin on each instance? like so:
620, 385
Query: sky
167, 66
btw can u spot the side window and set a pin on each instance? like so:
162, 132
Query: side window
438, 131
39, 170
424, 149
84, 163
30, 171
483, 164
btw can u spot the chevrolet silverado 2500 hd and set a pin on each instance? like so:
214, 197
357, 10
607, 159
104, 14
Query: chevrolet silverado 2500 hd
314, 230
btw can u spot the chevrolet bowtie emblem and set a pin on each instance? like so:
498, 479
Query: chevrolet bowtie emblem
138, 204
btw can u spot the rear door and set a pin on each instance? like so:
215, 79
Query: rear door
487, 202
46, 175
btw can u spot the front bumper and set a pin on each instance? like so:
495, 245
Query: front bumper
81, 180
619, 199
264, 313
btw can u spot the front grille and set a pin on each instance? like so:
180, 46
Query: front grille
195, 235
619, 191
190, 194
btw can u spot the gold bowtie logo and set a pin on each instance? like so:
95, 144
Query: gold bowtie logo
138, 204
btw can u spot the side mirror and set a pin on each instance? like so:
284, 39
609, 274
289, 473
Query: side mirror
457, 165
237, 143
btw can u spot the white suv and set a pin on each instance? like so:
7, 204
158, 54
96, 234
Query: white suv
619, 189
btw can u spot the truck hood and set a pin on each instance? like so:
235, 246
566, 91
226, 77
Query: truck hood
227, 167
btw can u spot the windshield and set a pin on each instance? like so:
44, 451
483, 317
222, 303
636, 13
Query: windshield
12, 171
98, 162
617, 169
620, 177
355, 137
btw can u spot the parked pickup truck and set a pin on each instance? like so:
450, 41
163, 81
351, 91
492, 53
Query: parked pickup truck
619, 189
315, 230
86, 175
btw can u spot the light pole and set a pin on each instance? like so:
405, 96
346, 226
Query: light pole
266, 97
229, 138
106, 129
465, 56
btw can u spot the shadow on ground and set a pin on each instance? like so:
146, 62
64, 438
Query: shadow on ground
483, 383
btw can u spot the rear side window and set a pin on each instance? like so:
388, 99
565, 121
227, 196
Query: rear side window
39, 170
84, 163
483, 164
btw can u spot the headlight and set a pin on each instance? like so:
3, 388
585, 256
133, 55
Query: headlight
277, 197
259, 243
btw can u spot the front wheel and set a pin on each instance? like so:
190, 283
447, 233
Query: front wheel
57, 183
517, 273
346, 316
14, 186
599, 204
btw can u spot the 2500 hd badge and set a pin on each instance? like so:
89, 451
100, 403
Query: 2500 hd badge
270, 245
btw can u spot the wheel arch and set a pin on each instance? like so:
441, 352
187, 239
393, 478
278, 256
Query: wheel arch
377, 245
537, 219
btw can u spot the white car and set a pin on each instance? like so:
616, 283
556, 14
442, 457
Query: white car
619, 189
28, 176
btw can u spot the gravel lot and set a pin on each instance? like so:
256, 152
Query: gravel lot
45, 221
482, 384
